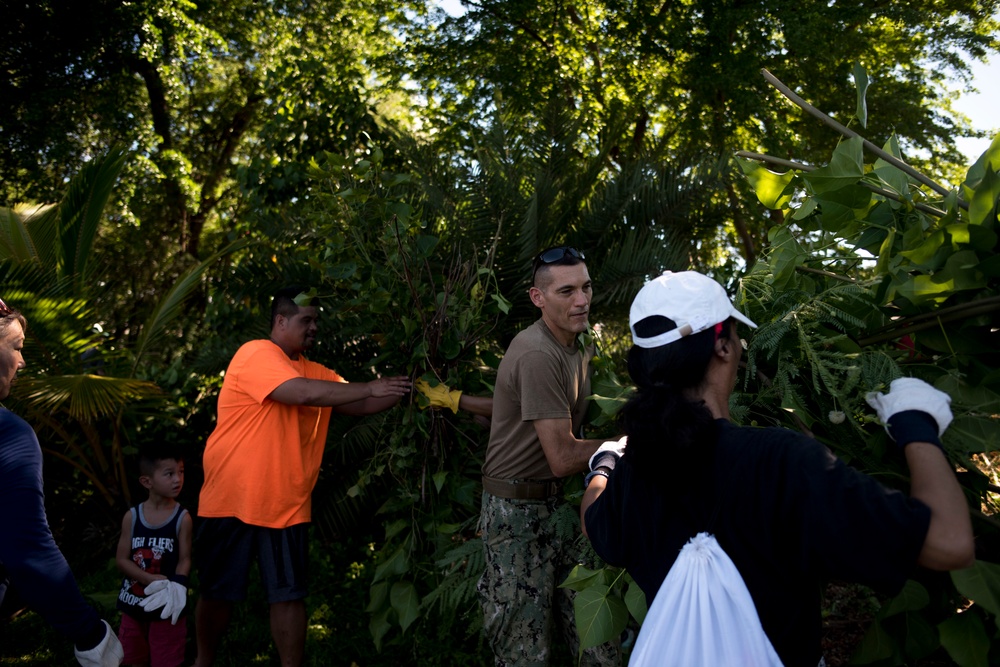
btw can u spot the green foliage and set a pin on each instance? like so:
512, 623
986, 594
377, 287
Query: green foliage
382, 271
870, 278
878, 272
335, 635
416, 287
83, 390
604, 600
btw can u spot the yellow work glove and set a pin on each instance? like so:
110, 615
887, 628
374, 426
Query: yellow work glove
440, 396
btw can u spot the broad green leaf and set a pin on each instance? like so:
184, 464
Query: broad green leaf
834, 215
875, 645
581, 577
978, 399
987, 162
392, 180
305, 298
981, 584
983, 203
808, 206
786, 254
913, 597
843, 206
600, 616
439, 479
991, 266
982, 239
920, 638
975, 434
426, 244
377, 596
394, 528
609, 406
861, 84
635, 601
846, 167
404, 600
772, 188
410, 325
923, 254
890, 177
378, 626
961, 272
502, 303
449, 347
395, 565
354, 196
965, 639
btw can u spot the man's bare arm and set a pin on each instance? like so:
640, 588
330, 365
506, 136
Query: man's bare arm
324, 393
565, 453
477, 405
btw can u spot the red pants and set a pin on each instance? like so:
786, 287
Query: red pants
156, 643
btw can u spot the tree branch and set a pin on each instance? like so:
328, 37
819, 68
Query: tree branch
891, 159
779, 162
931, 320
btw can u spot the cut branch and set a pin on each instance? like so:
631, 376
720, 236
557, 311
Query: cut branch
932, 320
779, 162
847, 132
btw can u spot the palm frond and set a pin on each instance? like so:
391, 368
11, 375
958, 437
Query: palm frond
81, 211
86, 398
27, 233
171, 305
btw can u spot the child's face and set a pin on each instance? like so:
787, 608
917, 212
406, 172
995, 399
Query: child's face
168, 479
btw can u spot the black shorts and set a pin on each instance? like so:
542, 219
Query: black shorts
225, 547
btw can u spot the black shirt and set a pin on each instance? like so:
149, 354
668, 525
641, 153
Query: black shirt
787, 512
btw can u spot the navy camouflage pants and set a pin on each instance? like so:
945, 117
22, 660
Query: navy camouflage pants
531, 546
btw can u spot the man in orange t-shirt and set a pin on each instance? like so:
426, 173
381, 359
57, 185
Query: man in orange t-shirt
261, 464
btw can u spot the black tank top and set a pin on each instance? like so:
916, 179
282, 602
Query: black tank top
154, 550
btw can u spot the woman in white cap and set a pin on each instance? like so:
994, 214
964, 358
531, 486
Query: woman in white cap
787, 512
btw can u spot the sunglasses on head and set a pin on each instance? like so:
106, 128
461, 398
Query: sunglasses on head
553, 255
5, 310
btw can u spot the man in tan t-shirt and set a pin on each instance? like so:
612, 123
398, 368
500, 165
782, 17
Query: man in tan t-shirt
538, 407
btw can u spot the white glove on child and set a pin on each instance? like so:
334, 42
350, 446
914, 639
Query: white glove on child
614, 447
170, 595
108, 653
912, 394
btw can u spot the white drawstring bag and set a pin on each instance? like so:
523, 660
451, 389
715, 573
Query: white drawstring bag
703, 615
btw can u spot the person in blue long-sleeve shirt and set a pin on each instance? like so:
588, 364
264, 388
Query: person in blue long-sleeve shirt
33, 570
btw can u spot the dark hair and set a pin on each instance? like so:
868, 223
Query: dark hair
570, 257
284, 304
665, 428
151, 455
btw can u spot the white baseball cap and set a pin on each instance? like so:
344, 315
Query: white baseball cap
693, 301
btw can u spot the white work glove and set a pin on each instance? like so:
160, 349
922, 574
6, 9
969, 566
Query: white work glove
170, 595
108, 653
616, 448
912, 394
